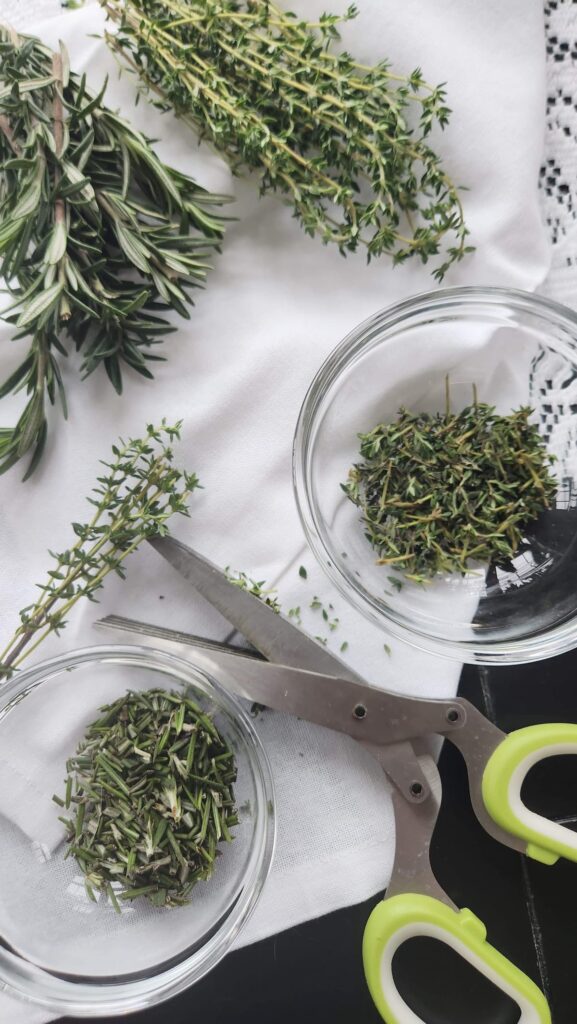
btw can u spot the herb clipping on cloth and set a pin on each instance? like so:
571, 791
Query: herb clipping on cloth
438, 491
150, 791
139, 490
346, 144
99, 239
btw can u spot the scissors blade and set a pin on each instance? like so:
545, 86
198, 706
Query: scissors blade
369, 715
274, 636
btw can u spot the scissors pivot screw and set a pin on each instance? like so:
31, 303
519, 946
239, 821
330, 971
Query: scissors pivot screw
454, 715
417, 791
359, 711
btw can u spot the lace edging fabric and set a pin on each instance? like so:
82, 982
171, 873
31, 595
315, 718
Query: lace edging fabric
558, 180
554, 395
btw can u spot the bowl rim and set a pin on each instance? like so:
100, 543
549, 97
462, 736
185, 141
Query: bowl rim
36, 985
555, 640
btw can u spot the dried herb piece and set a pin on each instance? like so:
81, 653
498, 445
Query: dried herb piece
151, 793
139, 490
98, 238
437, 491
346, 144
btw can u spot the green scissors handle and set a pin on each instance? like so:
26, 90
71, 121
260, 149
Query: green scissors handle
416, 905
502, 781
407, 915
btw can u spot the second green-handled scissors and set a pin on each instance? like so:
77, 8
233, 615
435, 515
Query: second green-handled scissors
302, 678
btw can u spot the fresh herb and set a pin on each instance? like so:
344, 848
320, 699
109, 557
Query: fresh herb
387, 649
396, 583
331, 620
344, 646
267, 596
257, 589
303, 573
138, 492
151, 793
437, 491
347, 144
98, 239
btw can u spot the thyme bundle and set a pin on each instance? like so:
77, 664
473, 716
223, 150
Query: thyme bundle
151, 794
97, 236
138, 492
436, 491
331, 135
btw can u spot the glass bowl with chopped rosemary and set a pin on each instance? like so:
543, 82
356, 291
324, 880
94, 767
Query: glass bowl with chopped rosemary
138, 829
435, 469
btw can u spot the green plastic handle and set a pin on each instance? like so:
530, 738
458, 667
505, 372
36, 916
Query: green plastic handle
406, 916
501, 788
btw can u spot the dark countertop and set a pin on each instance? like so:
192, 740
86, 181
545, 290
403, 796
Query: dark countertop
314, 972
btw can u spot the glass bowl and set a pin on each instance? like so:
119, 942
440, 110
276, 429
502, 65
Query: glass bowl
516, 349
57, 947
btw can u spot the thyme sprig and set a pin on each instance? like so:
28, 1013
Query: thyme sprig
345, 143
150, 791
138, 492
98, 238
437, 491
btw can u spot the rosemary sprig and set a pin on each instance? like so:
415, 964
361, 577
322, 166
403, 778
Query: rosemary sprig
438, 491
345, 143
138, 492
151, 794
97, 236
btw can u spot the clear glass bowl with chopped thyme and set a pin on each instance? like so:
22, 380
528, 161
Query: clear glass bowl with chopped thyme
503, 348
64, 942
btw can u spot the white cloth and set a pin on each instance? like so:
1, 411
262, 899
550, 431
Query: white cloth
275, 305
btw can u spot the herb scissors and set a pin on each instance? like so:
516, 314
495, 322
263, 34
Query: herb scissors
302, 678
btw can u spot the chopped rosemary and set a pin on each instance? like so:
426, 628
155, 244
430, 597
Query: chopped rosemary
151, 793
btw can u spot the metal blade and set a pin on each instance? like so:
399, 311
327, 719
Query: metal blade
368, 715
173, 637
277, 638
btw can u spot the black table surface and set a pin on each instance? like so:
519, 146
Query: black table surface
314, 972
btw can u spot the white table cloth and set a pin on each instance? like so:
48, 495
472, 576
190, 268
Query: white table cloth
275, 306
